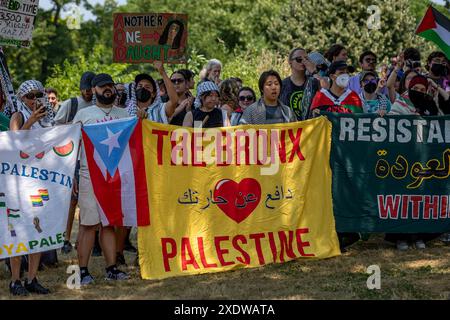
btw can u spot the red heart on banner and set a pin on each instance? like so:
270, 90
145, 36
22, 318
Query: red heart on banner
237, 200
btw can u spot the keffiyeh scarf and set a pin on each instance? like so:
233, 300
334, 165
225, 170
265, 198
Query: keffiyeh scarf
25, 88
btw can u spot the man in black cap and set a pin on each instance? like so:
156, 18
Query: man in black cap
71, 106
65, 114
103, 111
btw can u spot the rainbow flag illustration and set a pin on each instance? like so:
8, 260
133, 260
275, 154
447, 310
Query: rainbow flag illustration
36, 201
44, 194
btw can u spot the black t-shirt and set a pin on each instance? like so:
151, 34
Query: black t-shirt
179, 118
215, 119
292, 95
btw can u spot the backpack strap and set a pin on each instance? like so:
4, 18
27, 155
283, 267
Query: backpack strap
73, 109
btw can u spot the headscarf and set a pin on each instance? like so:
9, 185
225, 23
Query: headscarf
419, 79
25, 88
202, 88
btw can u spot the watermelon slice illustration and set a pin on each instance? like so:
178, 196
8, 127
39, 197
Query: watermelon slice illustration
40, 155
24, 155
64, 150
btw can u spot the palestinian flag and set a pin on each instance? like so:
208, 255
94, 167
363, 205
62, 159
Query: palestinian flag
435, 27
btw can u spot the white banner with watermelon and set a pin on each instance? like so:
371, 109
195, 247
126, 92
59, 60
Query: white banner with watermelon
36, 177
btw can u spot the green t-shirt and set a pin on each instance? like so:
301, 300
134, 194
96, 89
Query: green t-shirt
4, 122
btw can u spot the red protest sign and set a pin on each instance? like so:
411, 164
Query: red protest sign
146, 37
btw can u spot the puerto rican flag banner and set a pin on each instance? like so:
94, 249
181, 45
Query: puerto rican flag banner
115, 158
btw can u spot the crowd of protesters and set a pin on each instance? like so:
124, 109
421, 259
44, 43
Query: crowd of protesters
317, 83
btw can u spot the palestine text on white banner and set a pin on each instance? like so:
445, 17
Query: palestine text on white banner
36, 178
17, 22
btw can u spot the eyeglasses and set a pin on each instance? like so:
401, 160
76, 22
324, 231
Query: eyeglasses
369, 60
370, 81
32, 95
298, 59
246, 98
177, 81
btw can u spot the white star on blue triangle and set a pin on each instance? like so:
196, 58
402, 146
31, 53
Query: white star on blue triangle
110, 140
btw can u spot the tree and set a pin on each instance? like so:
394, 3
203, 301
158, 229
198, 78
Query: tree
319, 24
218, 27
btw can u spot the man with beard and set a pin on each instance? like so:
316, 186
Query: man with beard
103, 111
65, 114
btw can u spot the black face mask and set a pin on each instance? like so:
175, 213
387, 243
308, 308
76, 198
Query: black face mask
106, 100
143, 95
123, 99
370, 87
419, 99
439, 69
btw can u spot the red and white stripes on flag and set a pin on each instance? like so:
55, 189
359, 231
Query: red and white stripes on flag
122, 199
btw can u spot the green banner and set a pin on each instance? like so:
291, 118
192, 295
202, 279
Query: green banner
4, 122
391, 173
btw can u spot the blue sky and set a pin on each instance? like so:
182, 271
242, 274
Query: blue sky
46, 4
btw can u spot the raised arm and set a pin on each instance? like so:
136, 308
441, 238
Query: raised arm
173, 96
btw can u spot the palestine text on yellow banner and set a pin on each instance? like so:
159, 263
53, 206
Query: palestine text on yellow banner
236, 197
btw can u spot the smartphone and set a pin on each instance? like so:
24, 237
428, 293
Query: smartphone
40, 102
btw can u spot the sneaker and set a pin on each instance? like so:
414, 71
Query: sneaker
86, 280
402, 245
116, 274
445, 238
35, 287
97, 251
129, 247
66, 248
420, 245
120, 259
17, 289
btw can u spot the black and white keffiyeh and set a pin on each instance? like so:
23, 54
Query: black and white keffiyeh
25, 88
155, 110
7, 87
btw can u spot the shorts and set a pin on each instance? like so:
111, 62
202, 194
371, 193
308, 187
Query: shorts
89, 215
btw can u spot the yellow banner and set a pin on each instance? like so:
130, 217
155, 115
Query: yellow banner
237, 197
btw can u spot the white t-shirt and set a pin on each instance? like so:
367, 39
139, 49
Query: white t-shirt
62, 116
94, 114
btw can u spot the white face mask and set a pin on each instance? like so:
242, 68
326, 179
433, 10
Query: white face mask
342, 80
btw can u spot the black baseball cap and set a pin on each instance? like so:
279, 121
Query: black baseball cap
101, 80
337, 65
143, 76
86, 79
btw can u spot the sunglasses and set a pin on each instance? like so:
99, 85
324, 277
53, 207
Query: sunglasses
298, 59
177, 81
246, 98
32, 96
370, 81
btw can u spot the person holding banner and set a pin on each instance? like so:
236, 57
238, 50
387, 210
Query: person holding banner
268, 109
145, 101
31, 112
208, 115
103, 111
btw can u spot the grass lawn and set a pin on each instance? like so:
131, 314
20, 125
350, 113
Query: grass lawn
412, 274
